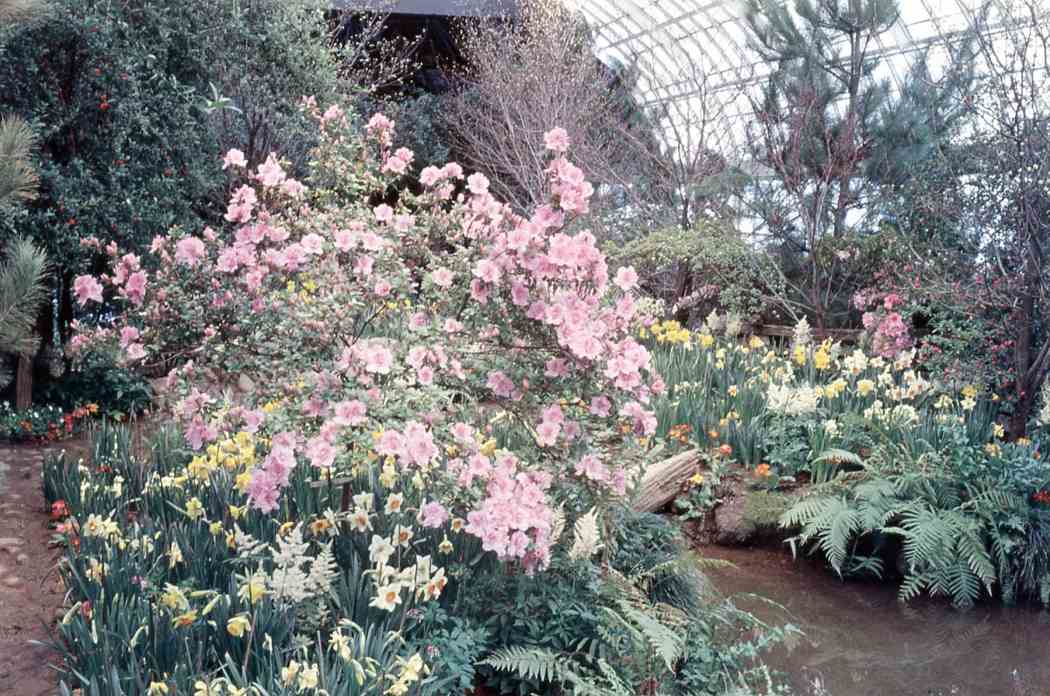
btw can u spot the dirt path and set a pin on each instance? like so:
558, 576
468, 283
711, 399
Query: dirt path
30, 589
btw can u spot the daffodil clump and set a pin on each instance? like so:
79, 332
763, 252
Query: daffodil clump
172, 572
774, 402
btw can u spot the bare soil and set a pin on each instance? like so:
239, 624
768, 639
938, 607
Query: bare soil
31, 591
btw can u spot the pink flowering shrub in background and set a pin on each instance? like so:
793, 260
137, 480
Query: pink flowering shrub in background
889, 333
456, 347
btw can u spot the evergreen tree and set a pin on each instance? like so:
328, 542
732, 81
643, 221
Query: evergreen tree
22, 286
829, 133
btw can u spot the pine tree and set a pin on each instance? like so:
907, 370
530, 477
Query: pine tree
829, 133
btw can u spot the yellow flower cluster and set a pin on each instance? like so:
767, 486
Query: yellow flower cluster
235, 453
669, 331
412, 670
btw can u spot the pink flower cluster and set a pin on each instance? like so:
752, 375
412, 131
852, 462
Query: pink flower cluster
890, 334
267, 480
514, 520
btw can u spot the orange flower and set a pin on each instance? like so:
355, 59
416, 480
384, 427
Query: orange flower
762, 470
726, 450
59, 510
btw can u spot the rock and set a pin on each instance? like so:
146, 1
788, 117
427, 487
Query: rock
732, 528
12, 581
245, 384
7, 542
21, 558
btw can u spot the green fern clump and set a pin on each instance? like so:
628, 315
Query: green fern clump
962, 531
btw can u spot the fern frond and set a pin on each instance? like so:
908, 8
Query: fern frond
667, 642
536, 664
836, 454
586, 536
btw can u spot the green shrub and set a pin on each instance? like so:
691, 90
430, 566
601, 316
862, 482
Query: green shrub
98, 380
701, 270
133, 104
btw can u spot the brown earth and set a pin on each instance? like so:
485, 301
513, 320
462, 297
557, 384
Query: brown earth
30, 588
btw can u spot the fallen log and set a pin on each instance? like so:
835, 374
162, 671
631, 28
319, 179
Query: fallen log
664, 480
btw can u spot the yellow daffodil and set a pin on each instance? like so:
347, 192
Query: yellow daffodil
289, 672
238, 625
194, 508
174, 554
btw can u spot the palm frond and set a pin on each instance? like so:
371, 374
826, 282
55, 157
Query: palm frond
18, 178
22, 291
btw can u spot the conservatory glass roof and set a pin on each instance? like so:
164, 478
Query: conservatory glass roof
687, 51
664, 37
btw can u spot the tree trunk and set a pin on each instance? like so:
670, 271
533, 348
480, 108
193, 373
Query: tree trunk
65, 307
1023, 358
24, 383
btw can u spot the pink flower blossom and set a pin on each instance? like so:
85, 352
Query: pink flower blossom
129, 334
350, 413
487, 271
589, 466
383, 213
391, 443
626, 278
378, 359
234, 158
556, 140
478, 183
270, 173
442, 277
379, 123
547, 433
433, 515
86, 288
430, 176
320, 452
419, 444
345, 240
313, 244
500, 384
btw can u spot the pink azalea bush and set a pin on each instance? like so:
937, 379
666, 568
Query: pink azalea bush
889, 333
399, 332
